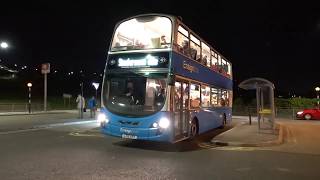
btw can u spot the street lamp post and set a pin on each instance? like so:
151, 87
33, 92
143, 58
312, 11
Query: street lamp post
317, 90
29, 96
81, 101
96, 86
45, 69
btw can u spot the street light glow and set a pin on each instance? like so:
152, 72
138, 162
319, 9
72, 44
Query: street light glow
96, 85
4, 45
29, 85
317, 89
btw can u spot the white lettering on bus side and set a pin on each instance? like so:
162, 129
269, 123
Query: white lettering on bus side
190, 67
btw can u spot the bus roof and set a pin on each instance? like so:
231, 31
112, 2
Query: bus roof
173, 18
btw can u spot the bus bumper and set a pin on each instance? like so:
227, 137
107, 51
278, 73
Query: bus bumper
151, 134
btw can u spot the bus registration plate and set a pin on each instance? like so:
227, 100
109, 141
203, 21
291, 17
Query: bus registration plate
127, 136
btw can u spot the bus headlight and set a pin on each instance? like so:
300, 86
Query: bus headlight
155, 125
112, 62
164, 122
102, 118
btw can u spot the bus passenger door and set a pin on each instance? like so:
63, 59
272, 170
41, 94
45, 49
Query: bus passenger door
181, 113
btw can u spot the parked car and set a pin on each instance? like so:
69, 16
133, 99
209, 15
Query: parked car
309, 114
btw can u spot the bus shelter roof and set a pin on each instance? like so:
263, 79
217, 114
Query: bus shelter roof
254, 83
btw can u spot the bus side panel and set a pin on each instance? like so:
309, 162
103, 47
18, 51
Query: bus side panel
208, 120
225, 110
194, 70
211, 118
229, 114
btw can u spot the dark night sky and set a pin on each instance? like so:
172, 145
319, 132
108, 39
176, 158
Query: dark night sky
277, 41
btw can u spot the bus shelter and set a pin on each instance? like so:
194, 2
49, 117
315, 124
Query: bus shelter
265, 100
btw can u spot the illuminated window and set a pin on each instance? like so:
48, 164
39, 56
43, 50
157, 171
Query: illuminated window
205, 96
224, 66
147, 32
229, 96
205, 54
214, 60
223, 98
194, 96
183, 41
177, 95
214, 97
183, 31
185, 95
220, 64
195, 48
229, 69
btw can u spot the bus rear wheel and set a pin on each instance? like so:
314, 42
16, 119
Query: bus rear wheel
193, 129
224, 121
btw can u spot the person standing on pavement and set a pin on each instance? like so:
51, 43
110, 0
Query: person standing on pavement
80, 105
92, 105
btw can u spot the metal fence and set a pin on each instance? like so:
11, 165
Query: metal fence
21, 107
36, 106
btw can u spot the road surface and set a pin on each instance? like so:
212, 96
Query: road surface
81, 152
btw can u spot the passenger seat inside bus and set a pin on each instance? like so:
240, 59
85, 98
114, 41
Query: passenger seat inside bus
155, 42
193, 53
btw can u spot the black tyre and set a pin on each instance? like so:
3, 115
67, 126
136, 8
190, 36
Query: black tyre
193, 129
224, 121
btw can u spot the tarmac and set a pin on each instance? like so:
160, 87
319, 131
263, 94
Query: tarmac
298, 136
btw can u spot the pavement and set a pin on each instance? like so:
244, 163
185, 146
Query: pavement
300, 136
296, 136
246, 135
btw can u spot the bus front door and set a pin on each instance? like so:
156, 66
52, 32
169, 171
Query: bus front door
181, 112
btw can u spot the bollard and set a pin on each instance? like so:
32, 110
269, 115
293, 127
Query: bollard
293, 115
249, 116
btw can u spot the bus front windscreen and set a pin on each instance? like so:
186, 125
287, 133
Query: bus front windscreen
146, 32
134, 95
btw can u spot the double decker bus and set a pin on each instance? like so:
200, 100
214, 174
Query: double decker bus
162, 82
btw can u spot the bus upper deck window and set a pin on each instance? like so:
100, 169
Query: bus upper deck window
146, 32
195, 48
183, 42
205, 54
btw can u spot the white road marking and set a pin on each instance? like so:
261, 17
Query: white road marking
82, 134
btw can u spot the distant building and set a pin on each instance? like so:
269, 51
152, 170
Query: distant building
7, 73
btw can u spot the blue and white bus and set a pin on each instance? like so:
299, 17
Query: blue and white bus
162, 82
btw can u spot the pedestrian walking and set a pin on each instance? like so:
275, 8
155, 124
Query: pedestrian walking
92, 105
80, 105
